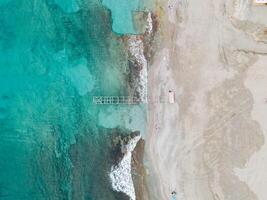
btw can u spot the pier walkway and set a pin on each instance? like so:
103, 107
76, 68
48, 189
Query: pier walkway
170, 98
116, 100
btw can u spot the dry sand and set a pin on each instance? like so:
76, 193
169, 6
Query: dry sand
210, 144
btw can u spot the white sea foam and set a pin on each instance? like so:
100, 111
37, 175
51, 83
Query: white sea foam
136, 49
120, 175
149, 27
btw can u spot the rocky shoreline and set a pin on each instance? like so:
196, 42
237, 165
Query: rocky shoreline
138, 172
140, 52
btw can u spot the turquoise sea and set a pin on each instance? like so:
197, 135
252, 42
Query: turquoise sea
54, 56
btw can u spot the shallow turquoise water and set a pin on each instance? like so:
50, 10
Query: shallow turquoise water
54, 56
121, 12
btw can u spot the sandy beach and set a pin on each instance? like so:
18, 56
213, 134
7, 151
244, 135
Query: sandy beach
211, 143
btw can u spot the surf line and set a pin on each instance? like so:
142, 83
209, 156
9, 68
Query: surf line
120, 175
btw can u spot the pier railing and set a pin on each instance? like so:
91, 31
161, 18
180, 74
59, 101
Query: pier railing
116, 100
131, 100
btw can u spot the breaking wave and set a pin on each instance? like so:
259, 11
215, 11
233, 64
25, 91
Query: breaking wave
120, 175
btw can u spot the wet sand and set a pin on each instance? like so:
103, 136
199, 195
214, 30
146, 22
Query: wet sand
210, 144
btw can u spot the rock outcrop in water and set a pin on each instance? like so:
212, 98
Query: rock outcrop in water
91, 162
140, 53
121, 173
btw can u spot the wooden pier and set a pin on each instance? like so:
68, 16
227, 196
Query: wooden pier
105, 100
116, 100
